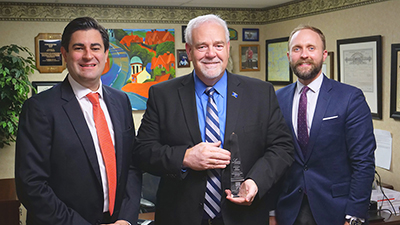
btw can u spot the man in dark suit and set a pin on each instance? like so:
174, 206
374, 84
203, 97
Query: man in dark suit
173, 140
62, 172
330, 181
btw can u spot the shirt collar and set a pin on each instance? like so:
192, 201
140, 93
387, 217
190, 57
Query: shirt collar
81, 91
314, 86
220, 87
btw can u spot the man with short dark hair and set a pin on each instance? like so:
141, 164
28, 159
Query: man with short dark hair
75, 141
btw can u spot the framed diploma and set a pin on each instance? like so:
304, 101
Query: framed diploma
395, 82
48, 53
360, 65
43, 85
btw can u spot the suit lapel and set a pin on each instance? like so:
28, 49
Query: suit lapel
234, 97
188, 103
75, 115
287, 109
320, 109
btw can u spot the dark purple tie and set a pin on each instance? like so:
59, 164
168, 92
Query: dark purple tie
302, 132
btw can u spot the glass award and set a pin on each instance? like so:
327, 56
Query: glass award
236, 168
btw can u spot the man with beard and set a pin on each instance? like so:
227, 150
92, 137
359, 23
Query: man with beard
330, 181
189, 146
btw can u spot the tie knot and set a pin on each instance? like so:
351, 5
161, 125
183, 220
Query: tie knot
210, 91
305, 89
93, 98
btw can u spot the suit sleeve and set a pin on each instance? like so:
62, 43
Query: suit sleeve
32, 169
131, 202
155, 155
278, 150
361, 145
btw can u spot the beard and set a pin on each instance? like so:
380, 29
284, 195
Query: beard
212, 72
306, 74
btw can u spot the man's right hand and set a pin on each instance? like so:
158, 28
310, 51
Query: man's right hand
272, 220
205, 156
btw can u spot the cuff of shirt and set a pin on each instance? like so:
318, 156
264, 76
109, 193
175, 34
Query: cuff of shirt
349, 217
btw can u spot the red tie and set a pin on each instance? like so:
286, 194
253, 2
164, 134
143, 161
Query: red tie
106, 146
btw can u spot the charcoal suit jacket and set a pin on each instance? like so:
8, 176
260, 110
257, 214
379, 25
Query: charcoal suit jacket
57, 172
170, 126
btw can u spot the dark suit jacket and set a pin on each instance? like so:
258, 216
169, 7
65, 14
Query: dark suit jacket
338, 169
57, 173
170, 126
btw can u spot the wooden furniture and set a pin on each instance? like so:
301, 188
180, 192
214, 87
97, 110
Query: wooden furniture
146, 216
9, 204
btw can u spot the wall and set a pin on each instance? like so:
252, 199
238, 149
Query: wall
363, 20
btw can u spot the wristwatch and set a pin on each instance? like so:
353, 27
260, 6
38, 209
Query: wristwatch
354, 221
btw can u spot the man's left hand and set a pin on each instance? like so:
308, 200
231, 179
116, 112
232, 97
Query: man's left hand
248, 190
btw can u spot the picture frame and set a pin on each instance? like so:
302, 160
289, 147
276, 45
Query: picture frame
183, 34
327, 66
233, 34
394, 82
48, 55
182, 58
249, 57
250, 34
360, 65
43, 85
278, 70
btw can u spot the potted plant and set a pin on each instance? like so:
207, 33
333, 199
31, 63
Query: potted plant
14, 88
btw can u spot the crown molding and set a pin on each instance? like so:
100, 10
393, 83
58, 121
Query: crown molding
55, 12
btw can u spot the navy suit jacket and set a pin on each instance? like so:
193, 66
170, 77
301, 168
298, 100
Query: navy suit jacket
57, 173
170, 126
338, 169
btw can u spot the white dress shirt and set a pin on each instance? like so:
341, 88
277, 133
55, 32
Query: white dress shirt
312, 97
87, 109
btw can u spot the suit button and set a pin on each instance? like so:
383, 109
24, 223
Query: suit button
305, 168
300, 190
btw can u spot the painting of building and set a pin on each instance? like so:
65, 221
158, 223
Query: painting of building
138, 59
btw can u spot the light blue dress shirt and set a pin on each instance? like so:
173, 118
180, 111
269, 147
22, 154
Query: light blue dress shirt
221, 88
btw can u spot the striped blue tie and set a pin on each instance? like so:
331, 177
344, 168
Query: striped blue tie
213, 192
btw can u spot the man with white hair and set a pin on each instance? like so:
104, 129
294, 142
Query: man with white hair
186, 137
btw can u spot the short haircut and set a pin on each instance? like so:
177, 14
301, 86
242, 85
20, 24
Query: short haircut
83, 23
196, 22
308, 27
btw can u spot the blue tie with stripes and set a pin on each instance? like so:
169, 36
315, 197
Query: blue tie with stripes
213, 192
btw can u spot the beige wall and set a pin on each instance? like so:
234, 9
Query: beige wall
373, 19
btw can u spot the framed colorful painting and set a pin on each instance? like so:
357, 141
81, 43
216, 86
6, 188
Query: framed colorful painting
138, 59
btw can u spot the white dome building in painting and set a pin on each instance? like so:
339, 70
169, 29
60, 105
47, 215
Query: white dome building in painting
137, 73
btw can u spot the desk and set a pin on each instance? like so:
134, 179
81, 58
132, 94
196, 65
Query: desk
388, 220
9, 204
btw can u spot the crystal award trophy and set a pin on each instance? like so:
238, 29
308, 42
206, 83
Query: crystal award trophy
236, 168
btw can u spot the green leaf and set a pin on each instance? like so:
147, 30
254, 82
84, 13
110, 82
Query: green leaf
15, 87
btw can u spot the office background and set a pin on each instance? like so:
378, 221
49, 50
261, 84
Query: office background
341, 19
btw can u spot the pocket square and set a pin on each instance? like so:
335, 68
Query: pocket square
330, 118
